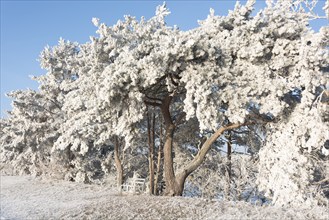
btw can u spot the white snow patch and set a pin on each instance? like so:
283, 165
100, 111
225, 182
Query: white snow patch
24, 197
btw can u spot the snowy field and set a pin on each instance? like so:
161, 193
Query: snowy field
24, 197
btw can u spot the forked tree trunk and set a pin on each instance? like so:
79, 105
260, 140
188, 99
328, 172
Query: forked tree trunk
175, 183
118, 163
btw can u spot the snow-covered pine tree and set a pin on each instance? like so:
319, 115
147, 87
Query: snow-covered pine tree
244, 61
230, 72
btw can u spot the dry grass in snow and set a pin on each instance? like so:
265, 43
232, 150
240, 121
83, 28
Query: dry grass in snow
25, 197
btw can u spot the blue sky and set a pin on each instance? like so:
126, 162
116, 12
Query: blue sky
28, 26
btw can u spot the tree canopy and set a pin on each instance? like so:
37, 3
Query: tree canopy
230, 73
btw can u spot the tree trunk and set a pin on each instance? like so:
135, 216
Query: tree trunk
151, 142
175, 184
229, 163
152, 153
200, 157
157, 176
118, 164
171, 186
229, 151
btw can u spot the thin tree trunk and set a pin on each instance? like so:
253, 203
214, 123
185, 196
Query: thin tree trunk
229, 163
156, 179
118, 164
152, 153
229, 151
151, 137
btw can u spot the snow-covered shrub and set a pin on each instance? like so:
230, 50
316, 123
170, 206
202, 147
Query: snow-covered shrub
216, 179
291, 163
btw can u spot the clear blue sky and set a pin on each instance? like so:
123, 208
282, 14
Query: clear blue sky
28, 26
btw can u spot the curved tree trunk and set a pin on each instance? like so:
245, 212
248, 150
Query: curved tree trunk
200, 157
171, 185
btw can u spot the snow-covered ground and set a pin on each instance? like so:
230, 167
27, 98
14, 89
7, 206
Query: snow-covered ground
24, 197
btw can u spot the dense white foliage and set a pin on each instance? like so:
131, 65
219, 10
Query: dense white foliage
231, 69
288, 161
33, 123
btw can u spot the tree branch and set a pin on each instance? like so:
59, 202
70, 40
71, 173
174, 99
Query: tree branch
153, 98
152, 103
172, 80
199, 158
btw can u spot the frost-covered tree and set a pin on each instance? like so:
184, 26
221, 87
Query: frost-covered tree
230, 72
29, 133
215, 73
290, 167
243, 61
289, 162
